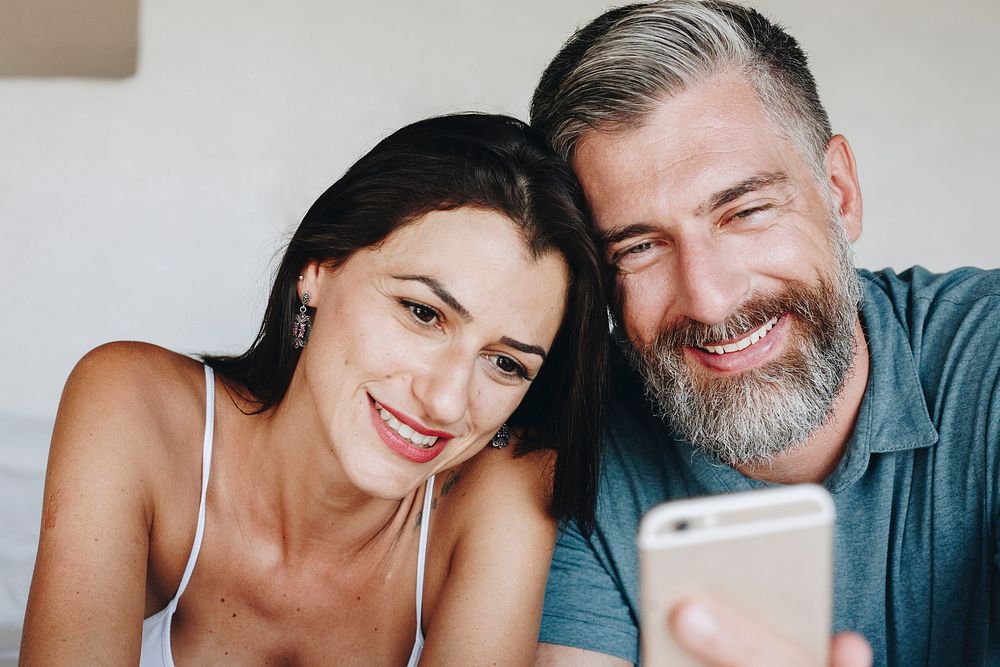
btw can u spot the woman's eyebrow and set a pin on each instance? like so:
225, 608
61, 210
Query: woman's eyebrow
523, 347
440, 292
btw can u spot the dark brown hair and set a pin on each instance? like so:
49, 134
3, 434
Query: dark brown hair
496, 163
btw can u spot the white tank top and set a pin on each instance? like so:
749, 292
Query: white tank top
156, 629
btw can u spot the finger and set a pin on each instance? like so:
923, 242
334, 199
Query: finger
720, 637
850, 649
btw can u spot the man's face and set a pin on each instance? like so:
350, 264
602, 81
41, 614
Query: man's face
735, 284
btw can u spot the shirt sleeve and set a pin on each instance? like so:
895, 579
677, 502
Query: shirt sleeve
584, 604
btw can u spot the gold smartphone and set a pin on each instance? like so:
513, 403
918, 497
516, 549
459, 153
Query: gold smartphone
767, 553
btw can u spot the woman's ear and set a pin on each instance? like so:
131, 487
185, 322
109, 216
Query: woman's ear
842, 177
310, 281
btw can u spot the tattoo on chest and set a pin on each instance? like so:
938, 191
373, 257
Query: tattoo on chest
446, 486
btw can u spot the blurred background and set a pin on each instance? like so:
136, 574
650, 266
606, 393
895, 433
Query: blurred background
147, 200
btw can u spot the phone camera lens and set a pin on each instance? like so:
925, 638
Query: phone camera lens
681, 525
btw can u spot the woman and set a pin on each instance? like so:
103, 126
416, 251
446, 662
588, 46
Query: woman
328, 496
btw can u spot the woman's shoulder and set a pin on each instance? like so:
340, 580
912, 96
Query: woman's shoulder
134, 371
498, 484
491, 543
118, 448
134, 397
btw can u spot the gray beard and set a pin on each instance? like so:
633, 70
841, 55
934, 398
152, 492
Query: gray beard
748, 419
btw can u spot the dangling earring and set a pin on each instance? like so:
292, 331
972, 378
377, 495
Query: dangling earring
301, 325
501, 437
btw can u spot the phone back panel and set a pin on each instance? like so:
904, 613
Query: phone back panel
772, 559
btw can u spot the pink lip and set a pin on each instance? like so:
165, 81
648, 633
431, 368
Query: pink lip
416, 426
401, 445
736, 362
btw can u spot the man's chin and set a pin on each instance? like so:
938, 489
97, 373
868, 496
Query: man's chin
745, 419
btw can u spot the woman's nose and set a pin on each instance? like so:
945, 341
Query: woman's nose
444, 387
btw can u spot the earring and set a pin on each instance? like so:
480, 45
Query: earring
501, 437
301, 325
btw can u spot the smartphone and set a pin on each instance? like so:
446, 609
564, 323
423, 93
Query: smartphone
767, 553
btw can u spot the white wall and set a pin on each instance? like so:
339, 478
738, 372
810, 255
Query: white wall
150, 208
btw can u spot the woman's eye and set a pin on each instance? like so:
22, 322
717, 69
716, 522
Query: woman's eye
640, 248
509, 366
423, 314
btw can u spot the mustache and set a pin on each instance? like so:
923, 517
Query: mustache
795, 297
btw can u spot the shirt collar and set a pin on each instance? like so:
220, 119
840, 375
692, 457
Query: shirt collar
893, 416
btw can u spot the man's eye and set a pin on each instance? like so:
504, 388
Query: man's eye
424, 314
750, 212
626, 253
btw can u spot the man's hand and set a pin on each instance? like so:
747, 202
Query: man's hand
720, 637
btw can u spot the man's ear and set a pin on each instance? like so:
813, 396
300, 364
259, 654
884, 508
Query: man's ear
842, 177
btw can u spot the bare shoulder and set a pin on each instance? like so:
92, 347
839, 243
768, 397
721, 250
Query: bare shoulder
121, 437
494, 521
141, 384
128, 405
501, 481
131, 371
495, 496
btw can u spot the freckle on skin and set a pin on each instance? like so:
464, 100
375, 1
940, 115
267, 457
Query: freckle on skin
234, 615
222, 599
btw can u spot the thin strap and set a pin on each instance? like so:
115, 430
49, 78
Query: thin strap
206, 466
425, 521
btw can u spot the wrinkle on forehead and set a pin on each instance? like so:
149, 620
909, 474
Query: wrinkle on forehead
695, 144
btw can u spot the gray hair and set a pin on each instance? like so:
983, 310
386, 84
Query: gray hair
613, 72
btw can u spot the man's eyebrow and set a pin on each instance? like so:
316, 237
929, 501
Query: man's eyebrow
619, 234
731, 194
523, 347
440, 292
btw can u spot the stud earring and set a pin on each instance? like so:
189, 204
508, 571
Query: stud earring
501, 438
302, 324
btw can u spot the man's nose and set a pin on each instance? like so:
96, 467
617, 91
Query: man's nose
443, 387
712, 281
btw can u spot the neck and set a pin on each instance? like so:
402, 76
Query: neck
815, 459
290, 492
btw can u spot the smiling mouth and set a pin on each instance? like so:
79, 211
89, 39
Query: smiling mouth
743, 343
404, 430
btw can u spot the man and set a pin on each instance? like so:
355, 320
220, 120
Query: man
757, 355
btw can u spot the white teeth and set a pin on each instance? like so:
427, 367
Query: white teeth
405, 431
744, 342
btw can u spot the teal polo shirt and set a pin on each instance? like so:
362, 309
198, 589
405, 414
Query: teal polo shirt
915, 544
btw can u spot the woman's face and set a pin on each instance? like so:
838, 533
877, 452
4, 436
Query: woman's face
423, 346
